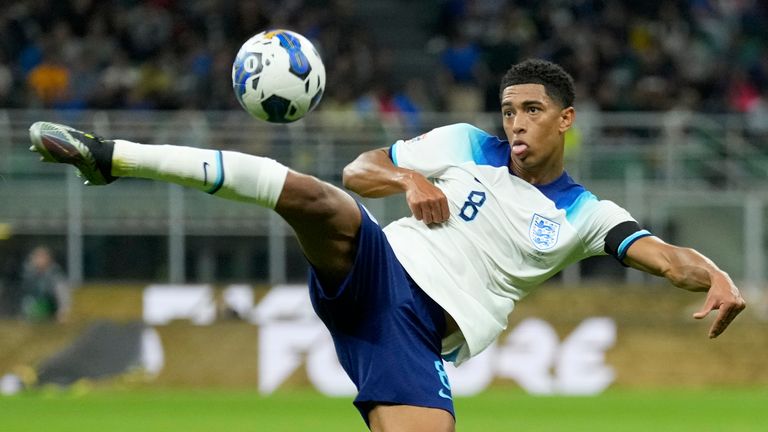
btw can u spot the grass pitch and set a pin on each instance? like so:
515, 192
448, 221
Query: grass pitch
497, 410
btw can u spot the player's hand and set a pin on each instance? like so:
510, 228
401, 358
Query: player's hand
724, 297
426, 201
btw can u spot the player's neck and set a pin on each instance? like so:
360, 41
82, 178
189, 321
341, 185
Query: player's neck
539, 175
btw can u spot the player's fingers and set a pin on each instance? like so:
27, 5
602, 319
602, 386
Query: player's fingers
705, 310
427, 216
444, 210
437, 211
727, 313
416, 210
724, 317
719, 324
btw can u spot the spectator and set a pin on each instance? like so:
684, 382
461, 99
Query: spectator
49, 80
6, 82
757, 116
461, 73
45, 292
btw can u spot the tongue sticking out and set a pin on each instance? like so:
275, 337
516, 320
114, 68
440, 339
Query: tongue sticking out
519, 149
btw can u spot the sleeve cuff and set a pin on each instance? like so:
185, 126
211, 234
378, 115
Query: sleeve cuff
621, 237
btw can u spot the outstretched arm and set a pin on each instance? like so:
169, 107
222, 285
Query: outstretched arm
373, 175
688, 269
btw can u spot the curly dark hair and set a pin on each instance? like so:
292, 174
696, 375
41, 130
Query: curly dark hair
556, 81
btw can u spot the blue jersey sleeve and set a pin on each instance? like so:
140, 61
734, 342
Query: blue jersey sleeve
446, 146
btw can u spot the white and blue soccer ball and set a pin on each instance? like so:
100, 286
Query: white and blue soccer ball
278, 76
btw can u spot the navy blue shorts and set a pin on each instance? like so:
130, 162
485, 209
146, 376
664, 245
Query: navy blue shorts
386, 330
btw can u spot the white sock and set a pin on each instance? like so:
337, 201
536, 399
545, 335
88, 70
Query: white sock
226, 174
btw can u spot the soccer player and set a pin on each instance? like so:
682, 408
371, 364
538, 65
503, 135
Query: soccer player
492, 219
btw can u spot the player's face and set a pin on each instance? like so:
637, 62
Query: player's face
535, 126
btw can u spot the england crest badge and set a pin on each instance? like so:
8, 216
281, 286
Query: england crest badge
543, 232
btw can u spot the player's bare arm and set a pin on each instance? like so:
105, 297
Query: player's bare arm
688, 269
373, 175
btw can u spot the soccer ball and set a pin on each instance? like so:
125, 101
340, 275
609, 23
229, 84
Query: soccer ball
278, 76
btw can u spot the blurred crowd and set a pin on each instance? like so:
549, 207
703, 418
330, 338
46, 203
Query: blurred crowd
153, 54
707, 55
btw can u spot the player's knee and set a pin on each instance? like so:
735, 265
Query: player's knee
308, 196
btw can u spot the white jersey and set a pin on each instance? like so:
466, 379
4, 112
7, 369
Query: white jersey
504, 237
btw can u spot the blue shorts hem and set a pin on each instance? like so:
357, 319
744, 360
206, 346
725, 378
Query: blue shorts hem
365, 407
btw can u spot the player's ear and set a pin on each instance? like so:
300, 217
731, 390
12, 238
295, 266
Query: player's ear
567, 117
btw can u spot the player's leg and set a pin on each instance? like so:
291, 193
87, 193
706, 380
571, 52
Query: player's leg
325, 220
407, 418
324, 217
388, 337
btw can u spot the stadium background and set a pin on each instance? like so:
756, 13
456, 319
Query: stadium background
673, 124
